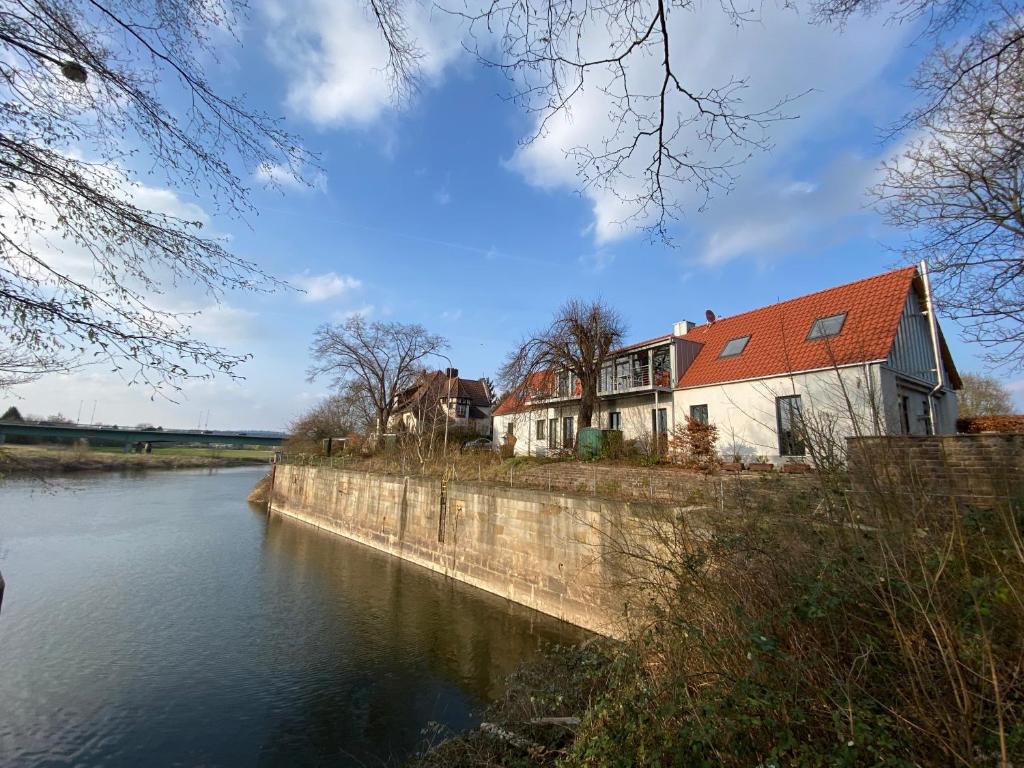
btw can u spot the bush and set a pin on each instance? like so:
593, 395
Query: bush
693, 445
889, 638
1007, 424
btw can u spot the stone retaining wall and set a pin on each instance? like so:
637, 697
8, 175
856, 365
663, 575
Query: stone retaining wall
975, 468
542, 550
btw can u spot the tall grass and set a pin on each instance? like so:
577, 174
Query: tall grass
878, 628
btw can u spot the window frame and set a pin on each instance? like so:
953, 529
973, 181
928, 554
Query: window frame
615, 420
746, 341
790, 441
811, 336
541, 424
659, 421
704, 406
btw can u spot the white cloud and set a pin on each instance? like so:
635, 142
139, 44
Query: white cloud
452, 315
329, 285
780, 217
782, 56
336, 60
224, 324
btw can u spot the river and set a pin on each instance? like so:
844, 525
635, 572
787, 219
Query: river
158, 619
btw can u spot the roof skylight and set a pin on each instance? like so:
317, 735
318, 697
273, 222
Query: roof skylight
735, 346
825, 327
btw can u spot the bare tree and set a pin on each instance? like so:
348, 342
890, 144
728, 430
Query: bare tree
983, 396
957, 186
667, 138
337, 415
576, 343
97, 94
379, 360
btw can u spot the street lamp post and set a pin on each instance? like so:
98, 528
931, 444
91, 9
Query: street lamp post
447, 402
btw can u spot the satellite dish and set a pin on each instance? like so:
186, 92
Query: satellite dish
710, 316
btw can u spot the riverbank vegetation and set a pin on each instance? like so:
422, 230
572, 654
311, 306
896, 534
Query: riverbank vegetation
878, 628
54, 459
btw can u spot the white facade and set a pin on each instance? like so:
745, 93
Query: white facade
894, 394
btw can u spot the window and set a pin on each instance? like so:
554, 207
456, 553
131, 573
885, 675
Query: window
659, 421
824, 327
699, 413
905, 414
552, 433
540, 429
568, 433
735, 346
462, 408
926, 418
511, 429
661, 363
790, 424
566, 384
614, 420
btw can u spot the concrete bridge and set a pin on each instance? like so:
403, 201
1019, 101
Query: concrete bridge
133, 437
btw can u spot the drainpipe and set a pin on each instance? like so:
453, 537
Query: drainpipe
933, 329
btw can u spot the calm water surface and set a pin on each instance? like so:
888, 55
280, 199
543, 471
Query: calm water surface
160, 620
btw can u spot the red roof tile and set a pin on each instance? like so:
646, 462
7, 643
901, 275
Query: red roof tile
778, 333
514, 401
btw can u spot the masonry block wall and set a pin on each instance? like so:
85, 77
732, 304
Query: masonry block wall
976, 468
543, 550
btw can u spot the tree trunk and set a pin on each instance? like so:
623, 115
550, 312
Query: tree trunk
588, 397
382, 426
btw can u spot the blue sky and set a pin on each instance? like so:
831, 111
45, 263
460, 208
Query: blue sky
435, 212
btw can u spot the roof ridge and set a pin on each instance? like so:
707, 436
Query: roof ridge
809, 295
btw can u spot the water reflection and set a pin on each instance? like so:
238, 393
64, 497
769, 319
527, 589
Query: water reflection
159, 621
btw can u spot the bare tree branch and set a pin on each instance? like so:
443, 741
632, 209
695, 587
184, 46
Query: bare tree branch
94, 95
379, 359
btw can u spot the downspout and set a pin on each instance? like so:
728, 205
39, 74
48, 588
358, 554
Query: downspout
933, 329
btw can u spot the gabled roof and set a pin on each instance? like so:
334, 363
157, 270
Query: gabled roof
435, 386
778, 333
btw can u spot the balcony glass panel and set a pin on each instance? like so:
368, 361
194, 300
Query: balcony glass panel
640, 373
662, 368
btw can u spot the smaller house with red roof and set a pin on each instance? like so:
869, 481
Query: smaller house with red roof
866, 358
437, 395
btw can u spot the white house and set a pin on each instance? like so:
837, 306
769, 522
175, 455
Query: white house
864, 358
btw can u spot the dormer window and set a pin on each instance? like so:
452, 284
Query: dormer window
734, 347
826, 327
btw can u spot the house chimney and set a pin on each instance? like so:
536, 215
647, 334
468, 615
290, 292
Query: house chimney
683, 327
451, 373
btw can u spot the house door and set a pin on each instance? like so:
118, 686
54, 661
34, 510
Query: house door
568, 431
552, 433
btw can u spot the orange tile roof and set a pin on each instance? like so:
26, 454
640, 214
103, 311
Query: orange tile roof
515, 400
778, 333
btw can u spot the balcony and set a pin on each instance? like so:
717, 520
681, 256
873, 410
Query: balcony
642, 371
